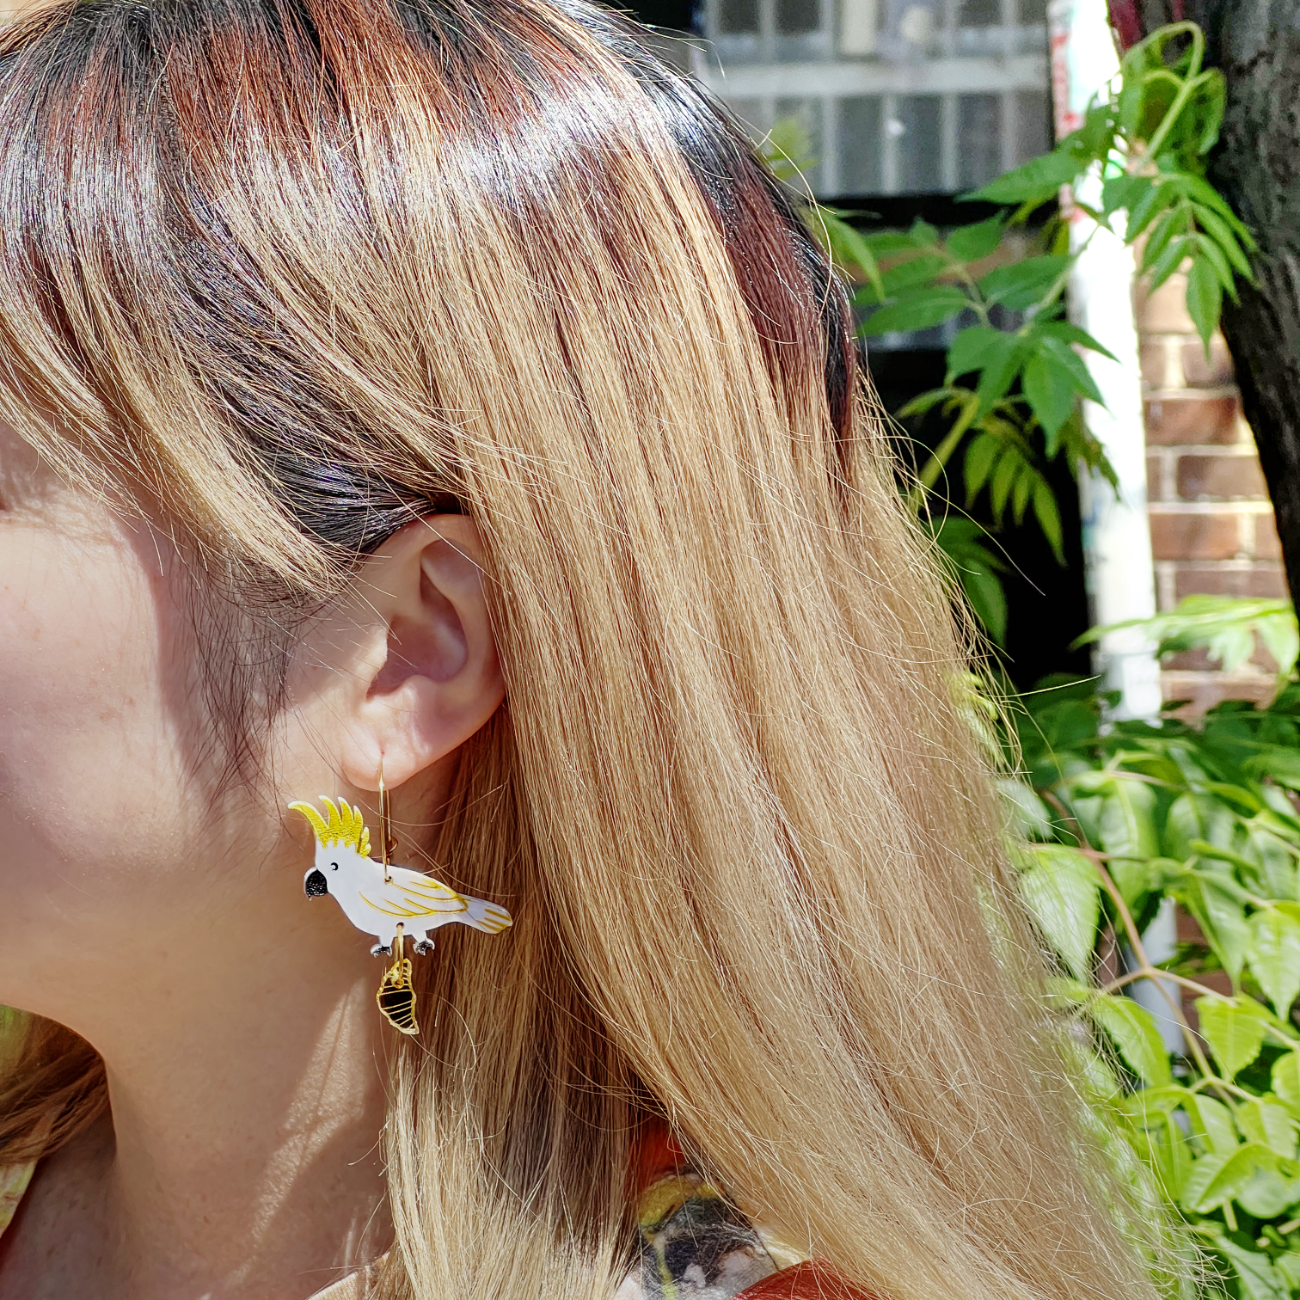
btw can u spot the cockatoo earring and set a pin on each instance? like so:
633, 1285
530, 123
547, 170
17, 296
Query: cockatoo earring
392, 903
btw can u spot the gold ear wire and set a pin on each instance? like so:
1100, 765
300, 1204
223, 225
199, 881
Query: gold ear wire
387, 844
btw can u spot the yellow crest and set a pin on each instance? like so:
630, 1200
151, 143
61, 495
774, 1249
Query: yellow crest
345, 825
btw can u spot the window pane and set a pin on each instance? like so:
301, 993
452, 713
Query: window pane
979, 13
796, 16
860, 144
918, 144
751, 115
736, 16
1033, 124
979, 132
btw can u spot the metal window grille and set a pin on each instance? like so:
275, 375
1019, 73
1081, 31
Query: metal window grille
896, 96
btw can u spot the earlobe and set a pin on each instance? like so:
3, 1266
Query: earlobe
431, 678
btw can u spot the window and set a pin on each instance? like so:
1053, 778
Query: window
895, 96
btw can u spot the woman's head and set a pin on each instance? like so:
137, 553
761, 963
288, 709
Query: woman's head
395, 357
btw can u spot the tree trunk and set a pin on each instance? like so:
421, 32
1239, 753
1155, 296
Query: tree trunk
1256, 166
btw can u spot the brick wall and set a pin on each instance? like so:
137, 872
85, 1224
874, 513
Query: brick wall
1211, 522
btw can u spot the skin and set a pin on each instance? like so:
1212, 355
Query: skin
161, 915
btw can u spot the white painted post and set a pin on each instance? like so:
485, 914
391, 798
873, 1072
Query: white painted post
1119, 572
1116, 534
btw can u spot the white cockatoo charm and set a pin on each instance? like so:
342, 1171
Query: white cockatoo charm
392, 903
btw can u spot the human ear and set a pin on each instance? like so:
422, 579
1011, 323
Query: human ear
425, 674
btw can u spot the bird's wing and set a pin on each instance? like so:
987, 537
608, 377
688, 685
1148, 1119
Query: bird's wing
409, 894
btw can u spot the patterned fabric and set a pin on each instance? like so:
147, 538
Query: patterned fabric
694, 1245
13, 1183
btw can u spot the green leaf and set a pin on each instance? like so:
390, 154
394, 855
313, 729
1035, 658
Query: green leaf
1123, 192
1049, 518
1062, 893
1220, 913
1214, 98
1268, 1192
849, 249
1061, 354
917, 310
883, 242
1216, 227
1067, 333
1127, 831
961, 542
1011, 464
1152, 202
1136, 1035
1212, 1123
1167, 1152
1269, 1124
1213, 254
1203, 192
1168, 262
1031, 817
1256, 1276
1288, 1265
1050, 391
1000, 370
1035, 181
1218, 1176
913, 271
973, 349
981, 456
1023, 284
1234, 1035
1274, 957
1204, 299
1171, 223
1286, 1079
970, 243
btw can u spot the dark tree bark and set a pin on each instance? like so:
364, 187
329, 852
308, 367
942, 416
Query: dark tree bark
1256, 166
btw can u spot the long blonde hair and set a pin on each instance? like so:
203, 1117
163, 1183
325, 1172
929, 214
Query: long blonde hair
294, 270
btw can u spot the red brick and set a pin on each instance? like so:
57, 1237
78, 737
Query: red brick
1189, 661
1154, 358
1165, 311
1267, 544
1203, 535
1262, 579
1196, 418
1221, 478
1204, 690
1214, 373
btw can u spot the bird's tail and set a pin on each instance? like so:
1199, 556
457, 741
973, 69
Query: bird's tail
491, 918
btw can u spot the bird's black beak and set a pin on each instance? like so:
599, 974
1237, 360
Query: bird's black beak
315, 885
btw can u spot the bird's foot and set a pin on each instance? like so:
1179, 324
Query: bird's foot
382, 950
423, 947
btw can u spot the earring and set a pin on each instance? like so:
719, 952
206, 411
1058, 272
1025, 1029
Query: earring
390, 902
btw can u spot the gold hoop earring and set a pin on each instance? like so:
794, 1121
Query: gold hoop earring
392, 903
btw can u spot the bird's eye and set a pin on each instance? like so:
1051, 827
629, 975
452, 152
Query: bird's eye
334, 866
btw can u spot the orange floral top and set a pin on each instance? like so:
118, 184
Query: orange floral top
694, 1244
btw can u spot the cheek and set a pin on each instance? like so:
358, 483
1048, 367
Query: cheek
91, 712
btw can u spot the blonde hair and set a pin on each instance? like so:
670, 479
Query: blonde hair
328, 264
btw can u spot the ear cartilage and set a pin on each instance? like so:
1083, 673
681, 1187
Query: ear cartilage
389, 902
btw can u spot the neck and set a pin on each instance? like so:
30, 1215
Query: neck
247, 1101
